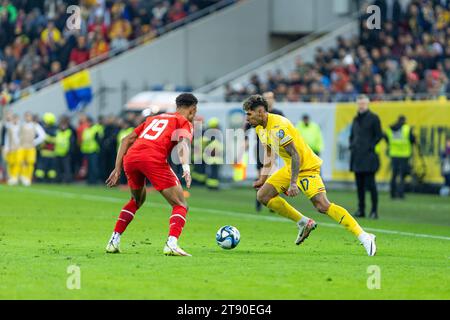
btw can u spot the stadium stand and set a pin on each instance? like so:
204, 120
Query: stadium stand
36, 45
408, 58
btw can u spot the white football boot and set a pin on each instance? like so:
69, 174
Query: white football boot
305, 230
113, 245
172, 249
13, 181
368, 241
25, 181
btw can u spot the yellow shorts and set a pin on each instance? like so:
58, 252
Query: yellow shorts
12, 157
27, 156
309, 182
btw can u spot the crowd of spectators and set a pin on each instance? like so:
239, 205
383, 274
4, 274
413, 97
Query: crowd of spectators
36, 43
112, 128
93, 167
407, 58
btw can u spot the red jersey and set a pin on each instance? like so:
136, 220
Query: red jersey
157, 136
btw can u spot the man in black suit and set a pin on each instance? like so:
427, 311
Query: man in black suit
364, 162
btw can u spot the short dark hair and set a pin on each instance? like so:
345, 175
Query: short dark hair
255, 101
186, 100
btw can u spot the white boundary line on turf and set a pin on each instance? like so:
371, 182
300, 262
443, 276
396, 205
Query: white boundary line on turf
229, 213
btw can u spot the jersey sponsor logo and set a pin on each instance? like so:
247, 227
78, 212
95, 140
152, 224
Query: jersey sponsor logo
280, 134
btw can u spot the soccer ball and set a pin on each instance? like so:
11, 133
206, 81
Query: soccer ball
228, 237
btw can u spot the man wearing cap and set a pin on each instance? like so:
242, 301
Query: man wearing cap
364, 162
400, 139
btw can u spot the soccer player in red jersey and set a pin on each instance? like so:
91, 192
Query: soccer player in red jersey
143, 154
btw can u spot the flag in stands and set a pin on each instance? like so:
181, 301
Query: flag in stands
5, 98
78, 91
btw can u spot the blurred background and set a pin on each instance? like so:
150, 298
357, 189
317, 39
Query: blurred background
88, 72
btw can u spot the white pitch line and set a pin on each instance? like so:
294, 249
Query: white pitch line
229, 213
330, 225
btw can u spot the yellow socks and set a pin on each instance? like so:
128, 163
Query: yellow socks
283, 208
28, 170
341, 216
337, 213
13, 170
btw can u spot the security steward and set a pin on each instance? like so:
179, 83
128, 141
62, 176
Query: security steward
400, 139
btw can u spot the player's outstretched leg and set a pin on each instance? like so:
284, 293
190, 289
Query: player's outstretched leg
175, 197
269, 196
341, 216
126, 215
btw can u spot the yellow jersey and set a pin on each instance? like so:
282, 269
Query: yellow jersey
278, 133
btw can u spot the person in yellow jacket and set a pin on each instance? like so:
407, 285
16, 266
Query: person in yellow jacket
51, 34
64, 147
213, 156
400, 139
31, 135
90, 148
311, 133
199, 142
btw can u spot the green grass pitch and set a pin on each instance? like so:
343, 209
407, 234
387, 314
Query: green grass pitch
45, 229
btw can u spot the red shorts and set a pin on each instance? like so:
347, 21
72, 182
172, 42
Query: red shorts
160, 175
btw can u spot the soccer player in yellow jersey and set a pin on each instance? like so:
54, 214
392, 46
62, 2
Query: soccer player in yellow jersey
301, 172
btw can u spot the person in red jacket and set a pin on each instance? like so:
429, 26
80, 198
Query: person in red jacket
80, 53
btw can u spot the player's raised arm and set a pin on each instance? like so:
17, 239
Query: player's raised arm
126, 143
295, 169
184, 154
40, 132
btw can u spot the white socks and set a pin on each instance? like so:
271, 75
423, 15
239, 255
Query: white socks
363, 236
172, 241
115, 238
